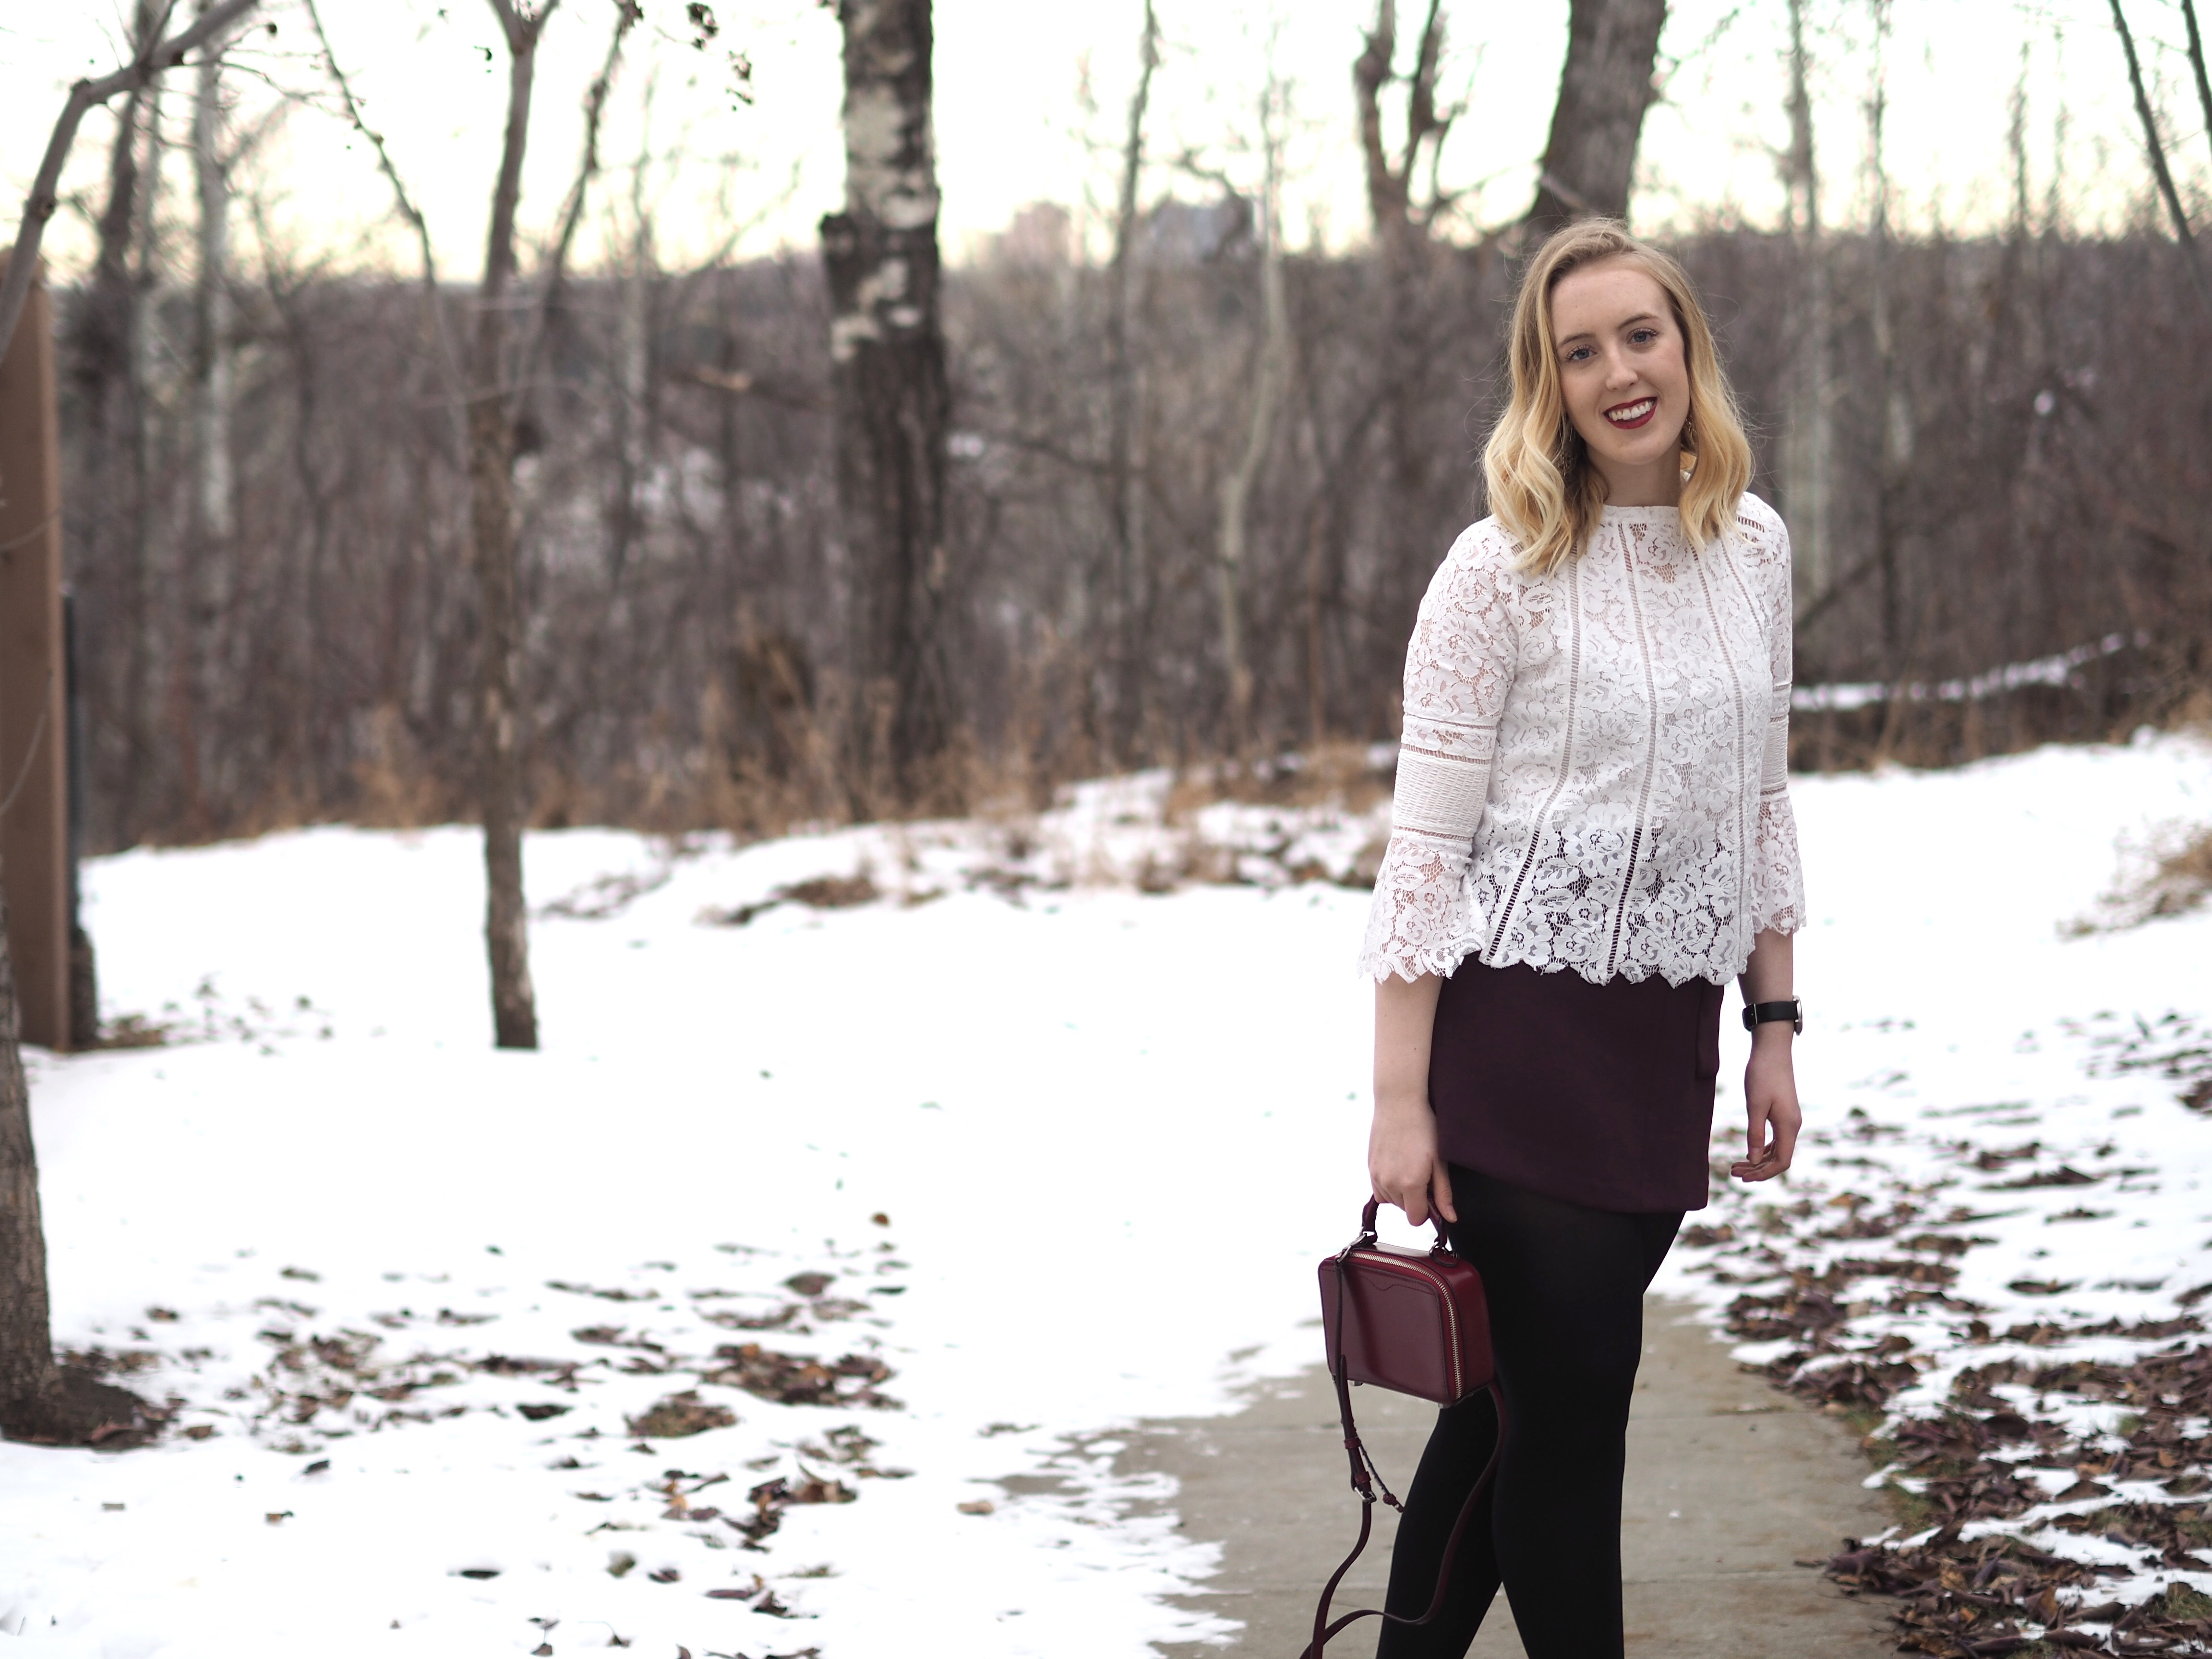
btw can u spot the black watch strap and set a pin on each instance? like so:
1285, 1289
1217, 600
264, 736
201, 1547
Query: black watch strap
1762, 1013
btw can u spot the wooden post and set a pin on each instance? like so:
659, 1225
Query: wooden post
33, 688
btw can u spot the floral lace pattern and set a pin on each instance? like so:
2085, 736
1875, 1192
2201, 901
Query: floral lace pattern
1594, 769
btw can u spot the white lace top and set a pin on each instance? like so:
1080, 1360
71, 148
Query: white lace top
1593, 769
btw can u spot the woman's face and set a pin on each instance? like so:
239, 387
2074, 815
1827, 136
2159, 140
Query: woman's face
1623, 375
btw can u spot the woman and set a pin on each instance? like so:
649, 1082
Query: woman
1591, 835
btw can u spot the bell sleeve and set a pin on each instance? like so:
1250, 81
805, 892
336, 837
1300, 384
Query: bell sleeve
1459, 667
1777, 878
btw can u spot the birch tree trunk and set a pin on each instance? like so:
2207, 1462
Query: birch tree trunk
492, 551
892, 403
104, 345
1589, 162
1896, 415
1269, 385
137, 634
1807, 442
208, 518
211, 358
1125, 478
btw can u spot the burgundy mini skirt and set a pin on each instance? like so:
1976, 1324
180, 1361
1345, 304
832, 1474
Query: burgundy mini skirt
1600, 1095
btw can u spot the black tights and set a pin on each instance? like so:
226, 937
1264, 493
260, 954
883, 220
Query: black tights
1566, 1286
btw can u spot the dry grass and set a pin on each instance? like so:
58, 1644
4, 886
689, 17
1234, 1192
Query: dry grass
2173, 878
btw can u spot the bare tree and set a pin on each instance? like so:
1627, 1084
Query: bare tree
137, 633
1125, 480
892, 400
38, 1398
211, 326
1895, 426
1807, 441
105, 348
1405, 360
1589, 160
1270, 382
492, 539
208, 517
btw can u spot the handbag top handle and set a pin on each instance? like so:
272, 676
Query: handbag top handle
1367, 1228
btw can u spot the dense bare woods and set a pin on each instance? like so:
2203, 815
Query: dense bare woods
1191, 492
2038, 473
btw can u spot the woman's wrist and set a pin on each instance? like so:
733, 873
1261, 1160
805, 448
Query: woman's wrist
1390, 1103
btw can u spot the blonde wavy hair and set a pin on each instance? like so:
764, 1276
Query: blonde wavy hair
1542, 486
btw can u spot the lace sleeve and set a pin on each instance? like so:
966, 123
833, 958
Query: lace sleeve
1778, 878
1459, 667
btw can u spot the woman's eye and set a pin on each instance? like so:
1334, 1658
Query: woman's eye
1644, 337
1578, 353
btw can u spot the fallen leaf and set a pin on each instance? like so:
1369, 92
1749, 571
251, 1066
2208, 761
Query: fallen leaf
681, 1414
978, 1506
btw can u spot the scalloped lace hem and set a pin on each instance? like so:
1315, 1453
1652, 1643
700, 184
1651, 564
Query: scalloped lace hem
1787, 920
1442, 960
1438, 959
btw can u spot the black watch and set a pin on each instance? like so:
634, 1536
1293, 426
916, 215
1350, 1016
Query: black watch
1759, 1014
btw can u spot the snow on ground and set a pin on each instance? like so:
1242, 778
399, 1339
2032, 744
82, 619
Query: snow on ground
433, 1312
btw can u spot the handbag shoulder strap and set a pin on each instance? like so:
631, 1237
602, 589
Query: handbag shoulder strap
1362, 1465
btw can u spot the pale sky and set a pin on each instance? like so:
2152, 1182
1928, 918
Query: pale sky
1031, 99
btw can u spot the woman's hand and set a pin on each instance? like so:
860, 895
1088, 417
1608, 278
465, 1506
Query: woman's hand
1770, 1089
1769, 1083
1403, 1166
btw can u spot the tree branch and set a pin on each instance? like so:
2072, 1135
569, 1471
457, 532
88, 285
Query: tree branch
448, 360
1370, 72
149, 60
627, 13
2151, 141
2197, 62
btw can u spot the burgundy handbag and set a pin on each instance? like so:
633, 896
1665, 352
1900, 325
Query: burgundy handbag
1414, 1321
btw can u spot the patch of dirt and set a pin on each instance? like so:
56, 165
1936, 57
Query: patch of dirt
77, 1409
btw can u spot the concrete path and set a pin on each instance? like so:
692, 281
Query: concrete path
1730, 1484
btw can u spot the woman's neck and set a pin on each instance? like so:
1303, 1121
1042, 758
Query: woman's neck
1659, 484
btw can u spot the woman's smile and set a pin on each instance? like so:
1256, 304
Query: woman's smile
1629, 415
